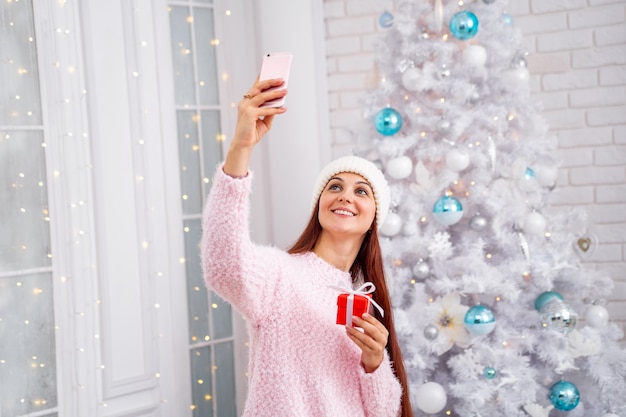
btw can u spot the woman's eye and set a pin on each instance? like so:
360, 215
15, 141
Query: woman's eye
334, 187
362, 191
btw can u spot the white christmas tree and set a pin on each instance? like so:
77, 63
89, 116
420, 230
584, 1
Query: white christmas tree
486, 276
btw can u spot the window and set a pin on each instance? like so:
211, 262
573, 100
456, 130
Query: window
27, 323
211, 344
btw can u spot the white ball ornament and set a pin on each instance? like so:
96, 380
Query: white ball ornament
392, 225
400, 167
457, 160
546, 175
475, 56
597, 317
430, 397
411, 79
516, 78
534, 224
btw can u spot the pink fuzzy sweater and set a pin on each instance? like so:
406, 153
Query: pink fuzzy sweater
302, 364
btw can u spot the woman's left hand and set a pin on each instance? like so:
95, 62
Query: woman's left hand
372, 340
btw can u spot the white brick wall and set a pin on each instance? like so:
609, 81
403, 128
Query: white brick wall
577, 60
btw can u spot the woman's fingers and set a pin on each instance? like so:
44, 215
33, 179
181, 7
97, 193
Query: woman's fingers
371, 340
259, 92
255, 121
373, 328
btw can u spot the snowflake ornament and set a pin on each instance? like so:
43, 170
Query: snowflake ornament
440, 247
535, 410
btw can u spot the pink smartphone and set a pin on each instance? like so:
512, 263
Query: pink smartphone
276, 65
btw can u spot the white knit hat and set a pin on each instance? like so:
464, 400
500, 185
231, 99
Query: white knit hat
364, 168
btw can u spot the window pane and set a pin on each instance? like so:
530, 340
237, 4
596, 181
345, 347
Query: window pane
211, 144
188, 151
202, 387
197, 300
221, 318
206, 64
225, 374
19, 95
182, 55
25, 238
200, 150
27, 351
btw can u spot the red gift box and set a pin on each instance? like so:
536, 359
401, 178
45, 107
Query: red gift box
349, 305
355, 302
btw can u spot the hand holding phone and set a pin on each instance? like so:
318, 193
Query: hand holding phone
276, 65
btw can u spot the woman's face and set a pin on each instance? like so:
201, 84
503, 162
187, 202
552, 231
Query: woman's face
347, 204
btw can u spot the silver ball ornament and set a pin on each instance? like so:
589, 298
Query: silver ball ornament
559, 316
519, 62
431, 332
478, 223
443, 126
421, 270
474, 97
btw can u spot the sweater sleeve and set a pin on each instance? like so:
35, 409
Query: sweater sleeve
233, 266
381, 391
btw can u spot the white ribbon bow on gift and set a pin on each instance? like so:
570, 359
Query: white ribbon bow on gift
364, 290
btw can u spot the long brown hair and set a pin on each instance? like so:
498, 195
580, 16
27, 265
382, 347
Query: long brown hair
369, 264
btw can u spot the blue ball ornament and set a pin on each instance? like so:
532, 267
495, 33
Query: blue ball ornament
480, 320
564, 396
464, 25
545, 297
490, 372
385, 20
507, 19
388, 121
447, 210
529, 174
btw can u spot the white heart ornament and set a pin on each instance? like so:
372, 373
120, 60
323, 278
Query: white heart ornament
585, 245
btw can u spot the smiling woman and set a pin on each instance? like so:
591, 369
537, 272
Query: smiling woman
348, 371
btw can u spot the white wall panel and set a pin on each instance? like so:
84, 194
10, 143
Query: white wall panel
113, 276
125, 322
299, 143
